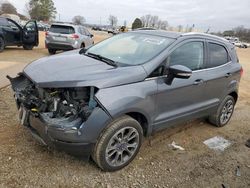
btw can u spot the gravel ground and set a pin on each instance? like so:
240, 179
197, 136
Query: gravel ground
25, 163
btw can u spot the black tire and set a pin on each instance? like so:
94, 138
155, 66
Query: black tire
2, 44
28, 47
224, 112
124, 130
52, 51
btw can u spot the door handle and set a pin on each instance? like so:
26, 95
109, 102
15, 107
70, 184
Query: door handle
198, 82
228, 75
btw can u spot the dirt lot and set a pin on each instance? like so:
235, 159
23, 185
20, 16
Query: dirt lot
24, 163
26, 56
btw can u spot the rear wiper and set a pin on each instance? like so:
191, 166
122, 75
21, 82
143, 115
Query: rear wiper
103, 59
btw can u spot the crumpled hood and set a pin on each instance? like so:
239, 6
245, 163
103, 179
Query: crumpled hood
76, 70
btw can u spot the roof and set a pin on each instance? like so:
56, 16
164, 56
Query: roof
172, 34
64, 24
161, 33
204, 35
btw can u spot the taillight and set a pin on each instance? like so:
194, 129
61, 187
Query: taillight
46, 33
241, 71
75, 36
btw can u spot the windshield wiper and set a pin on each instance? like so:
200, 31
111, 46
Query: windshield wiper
103, 59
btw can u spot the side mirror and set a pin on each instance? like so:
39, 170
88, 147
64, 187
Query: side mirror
180, 71
177, 71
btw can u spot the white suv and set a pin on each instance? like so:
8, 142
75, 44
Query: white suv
64, 36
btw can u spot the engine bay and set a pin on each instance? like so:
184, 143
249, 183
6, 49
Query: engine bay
56, 106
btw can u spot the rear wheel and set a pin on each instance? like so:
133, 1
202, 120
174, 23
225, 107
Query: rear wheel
51, 51
2, 44
119, 144
224, 112
28, 47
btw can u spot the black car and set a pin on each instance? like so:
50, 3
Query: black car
12, 34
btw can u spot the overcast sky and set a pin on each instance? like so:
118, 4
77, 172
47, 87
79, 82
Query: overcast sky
216, 14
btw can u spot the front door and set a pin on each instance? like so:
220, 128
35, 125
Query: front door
30, 33
183, 98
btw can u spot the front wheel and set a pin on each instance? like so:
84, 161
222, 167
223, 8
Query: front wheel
119, 144
2, 45
52, 51
28, 47
224, 112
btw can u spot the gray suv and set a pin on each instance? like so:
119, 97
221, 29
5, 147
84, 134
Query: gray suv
64, 36
102, 101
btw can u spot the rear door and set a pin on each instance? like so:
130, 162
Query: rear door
220, 72
88, 38
30, 33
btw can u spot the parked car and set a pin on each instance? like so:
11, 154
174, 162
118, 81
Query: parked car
241, 44
12, 34
101, 101
96, 28
42, 26
113, 31
64, 36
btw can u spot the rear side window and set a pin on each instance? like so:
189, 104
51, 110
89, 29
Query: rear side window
3, 22
62, 29
190, 55
217, 55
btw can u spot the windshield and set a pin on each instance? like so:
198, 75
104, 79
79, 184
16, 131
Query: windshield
131, 48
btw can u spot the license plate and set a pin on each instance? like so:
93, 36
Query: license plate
23, 115
60, 38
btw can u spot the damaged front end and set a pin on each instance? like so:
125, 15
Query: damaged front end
62, 108
58, 114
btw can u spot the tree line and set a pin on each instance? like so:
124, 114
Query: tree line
241, 32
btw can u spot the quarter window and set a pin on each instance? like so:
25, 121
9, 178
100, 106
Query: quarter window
217, 54
190, 55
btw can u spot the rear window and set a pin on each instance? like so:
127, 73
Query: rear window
62, 29
218, 55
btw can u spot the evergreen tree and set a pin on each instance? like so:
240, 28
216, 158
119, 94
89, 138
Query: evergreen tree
42, 9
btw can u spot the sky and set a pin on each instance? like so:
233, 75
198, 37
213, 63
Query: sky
218, 15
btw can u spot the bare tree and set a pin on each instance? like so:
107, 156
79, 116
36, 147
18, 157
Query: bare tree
7, 8
113, 20
80, 20
164, 25
153, 21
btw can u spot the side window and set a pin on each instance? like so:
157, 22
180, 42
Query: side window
3, 22
87, 32
83, 31
12, 25
157, 72
217, 55
190, 55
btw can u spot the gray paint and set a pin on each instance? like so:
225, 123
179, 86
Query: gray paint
76, 70
127, 89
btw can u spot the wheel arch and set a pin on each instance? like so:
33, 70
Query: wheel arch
234, 94
142, 119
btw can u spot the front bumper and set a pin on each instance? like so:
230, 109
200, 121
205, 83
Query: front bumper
43, 135
77, 142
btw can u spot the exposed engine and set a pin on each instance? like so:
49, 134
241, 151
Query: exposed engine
61, 107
